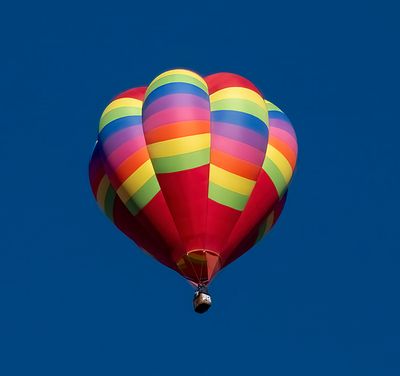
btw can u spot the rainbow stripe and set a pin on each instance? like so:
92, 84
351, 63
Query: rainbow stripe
101, 186
239, 136
125, 153
176, 114
281, 155
176, 125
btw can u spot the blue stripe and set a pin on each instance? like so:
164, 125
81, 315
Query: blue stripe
236, 133
278, 115
174, 88
242, 119
118, 124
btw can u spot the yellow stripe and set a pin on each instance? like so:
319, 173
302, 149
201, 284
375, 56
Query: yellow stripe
132, 184
242, 105
272, 107
102, 191
280, 161
239, 92
123, 102
231, 181
181, 71
180, 145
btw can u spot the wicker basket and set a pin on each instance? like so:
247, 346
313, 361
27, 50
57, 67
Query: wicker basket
201, 302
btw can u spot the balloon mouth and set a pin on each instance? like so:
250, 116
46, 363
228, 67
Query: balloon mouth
199, 266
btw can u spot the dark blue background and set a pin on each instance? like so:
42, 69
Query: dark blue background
319, 296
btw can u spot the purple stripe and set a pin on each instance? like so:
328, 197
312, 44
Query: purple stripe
118, 138
285, 137
284, 125
125, 151
176, 100
242, 134
237, 149
173, 115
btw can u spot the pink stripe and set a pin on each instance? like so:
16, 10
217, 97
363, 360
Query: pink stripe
124, 151
173, 115
285, 137
239, 133
282, 124
237, 149
118, 138
175, 100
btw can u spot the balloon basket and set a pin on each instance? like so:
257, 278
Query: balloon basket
202, 300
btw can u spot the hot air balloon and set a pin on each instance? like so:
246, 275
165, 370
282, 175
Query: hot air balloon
194, 170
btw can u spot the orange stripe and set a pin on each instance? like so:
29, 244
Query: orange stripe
235, 165
176, 130
284, 148
131, 164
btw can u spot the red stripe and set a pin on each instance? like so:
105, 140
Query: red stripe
220, 222
136, 93
221, 81
186, 195
163, 223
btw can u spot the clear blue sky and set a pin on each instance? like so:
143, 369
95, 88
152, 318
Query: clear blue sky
319, 296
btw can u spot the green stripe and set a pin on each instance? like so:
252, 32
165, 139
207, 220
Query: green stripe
272, 107
181, 162
143, 196
274, 173
175, 78
261, 229
119, 113
243, 105
226, 197
132, 207
109, 202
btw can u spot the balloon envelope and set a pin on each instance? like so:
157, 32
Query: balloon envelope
194, 170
